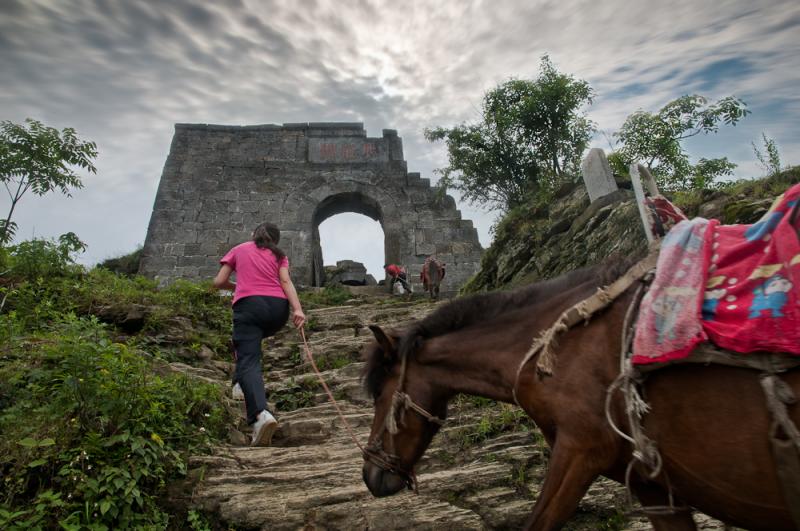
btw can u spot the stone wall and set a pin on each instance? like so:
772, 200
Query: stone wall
219, 182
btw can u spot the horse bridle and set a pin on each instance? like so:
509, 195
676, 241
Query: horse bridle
389, 461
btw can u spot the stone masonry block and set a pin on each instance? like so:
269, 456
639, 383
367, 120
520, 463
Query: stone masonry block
425, 248
184, 261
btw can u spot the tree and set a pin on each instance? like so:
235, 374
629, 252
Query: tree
40, 159
530, 137
655, 140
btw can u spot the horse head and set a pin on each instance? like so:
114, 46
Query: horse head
407, 415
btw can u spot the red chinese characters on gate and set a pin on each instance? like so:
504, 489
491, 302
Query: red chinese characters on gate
370, 150
344, 152
348, 151
327, 151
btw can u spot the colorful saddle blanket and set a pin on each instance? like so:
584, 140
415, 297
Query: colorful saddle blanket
737, 286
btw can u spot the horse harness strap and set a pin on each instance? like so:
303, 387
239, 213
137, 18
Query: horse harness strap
401, 399
401, 402
644, 449
582, 312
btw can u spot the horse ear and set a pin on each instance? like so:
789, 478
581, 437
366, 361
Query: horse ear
386, 342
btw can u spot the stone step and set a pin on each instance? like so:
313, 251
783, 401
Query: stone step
311, 477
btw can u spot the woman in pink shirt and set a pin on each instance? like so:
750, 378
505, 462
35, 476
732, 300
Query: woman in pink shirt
262, 295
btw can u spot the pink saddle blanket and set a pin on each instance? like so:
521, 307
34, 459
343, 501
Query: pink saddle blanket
737, 286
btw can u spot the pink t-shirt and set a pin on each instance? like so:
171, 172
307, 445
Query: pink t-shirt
256, 271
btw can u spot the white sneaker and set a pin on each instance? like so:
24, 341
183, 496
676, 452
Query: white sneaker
236, 392
263, 428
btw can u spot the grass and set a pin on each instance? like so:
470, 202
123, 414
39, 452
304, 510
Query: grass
297, 394
333, 295
495, 420
185, 312
333, 361
614, 522
127, 265
518, 479
295, 355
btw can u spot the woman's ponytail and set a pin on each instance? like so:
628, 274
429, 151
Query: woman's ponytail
267, 236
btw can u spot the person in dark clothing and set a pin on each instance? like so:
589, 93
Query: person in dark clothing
262, 296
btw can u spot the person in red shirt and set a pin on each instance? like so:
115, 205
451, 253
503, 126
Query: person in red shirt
262, 295
397, 274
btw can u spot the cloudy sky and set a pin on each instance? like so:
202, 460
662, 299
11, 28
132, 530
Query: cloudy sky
123, 72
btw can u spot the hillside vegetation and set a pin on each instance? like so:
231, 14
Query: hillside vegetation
546, 238
107, 385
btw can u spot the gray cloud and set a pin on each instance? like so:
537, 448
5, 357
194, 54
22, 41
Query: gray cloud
123, 72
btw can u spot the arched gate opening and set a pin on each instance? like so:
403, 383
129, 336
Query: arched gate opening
333, 205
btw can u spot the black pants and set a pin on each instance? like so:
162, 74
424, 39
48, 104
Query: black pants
255, 318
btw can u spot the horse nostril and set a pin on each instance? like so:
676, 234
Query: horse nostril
391, 483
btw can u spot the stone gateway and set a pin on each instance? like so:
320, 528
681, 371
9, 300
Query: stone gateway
219, 182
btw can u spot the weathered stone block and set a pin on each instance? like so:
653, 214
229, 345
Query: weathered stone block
192, 248
160, 262
597, 174
425, 248
184, 261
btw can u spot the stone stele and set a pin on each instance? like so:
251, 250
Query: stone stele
597, 174
220, 182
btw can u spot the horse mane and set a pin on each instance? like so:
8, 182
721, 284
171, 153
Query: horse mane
479, 308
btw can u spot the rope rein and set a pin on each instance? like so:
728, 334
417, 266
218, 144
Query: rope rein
401, 402
328, 391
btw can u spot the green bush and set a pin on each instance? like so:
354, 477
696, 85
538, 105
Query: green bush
126, 265
38, 258
91, 431
39, 301
93, 423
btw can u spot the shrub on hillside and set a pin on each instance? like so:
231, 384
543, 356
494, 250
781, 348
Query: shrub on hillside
42, 258
197, 307
126, 265
90, 434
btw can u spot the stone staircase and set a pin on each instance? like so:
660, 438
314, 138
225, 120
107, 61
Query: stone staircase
311, 477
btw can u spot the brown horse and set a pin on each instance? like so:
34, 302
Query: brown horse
432, 274
710, 422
